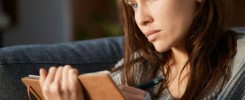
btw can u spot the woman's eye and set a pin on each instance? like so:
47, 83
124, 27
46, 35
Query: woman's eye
134, 5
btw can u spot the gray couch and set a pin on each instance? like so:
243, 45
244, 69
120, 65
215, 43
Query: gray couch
20, 61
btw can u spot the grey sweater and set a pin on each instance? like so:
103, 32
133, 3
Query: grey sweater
234, 89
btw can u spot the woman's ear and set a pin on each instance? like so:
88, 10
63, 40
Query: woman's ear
199, 1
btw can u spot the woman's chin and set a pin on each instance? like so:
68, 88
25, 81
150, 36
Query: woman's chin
161, 49
162, 46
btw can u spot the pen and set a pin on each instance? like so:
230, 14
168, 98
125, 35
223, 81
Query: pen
151, 83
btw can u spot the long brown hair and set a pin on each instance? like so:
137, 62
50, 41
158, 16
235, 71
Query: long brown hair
210, 49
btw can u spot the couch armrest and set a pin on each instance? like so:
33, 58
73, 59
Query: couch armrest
87, 56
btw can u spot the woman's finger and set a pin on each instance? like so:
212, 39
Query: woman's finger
75, 85
46, 83
73, 80
51, 75
58, 75
65, 74
43, 75
55, 86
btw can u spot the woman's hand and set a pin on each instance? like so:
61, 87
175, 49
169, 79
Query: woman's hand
61, 84
132, 93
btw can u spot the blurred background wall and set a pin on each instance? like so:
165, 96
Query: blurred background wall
238, 13
94, 19
54, 21
38, 21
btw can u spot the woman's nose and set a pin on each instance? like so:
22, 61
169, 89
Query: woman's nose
143, 17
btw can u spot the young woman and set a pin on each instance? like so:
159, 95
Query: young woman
185, 41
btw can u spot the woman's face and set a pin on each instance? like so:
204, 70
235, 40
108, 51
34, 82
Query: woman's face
165, 23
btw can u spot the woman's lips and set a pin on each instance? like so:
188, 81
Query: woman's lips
151, 35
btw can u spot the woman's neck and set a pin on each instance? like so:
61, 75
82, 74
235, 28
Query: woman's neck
178, 76
179, 57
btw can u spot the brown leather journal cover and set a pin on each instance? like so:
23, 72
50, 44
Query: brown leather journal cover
96, 86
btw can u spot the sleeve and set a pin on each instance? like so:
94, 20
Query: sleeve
117, 75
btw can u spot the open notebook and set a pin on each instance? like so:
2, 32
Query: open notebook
97, 86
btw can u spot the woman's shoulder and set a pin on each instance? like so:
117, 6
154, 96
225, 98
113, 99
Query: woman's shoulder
240, 31
234, 89
241, 37
239, 59
117, 75
240, 55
